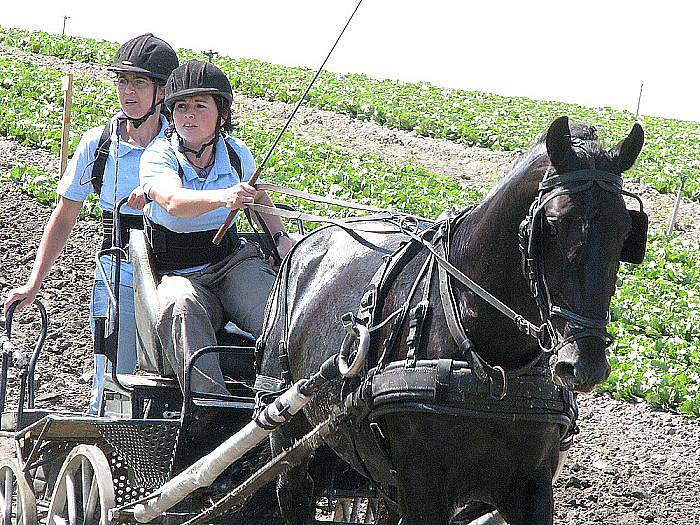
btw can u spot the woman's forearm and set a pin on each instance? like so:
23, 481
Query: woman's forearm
54, 239
186, 203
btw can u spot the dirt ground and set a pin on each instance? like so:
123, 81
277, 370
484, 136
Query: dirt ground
631, 464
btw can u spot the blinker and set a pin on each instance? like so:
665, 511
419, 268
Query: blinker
635, 246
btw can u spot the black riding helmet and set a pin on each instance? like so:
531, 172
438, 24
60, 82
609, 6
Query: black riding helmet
200, 78
146, 55
149, 56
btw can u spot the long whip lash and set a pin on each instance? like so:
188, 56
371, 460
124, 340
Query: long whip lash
222, 230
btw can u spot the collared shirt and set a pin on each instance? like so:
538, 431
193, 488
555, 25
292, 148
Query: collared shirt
163, 158
76, 182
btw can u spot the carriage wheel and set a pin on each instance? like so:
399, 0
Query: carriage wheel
84, 492
17, 501
355, 510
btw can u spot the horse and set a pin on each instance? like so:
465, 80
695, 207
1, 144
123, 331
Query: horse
546, 243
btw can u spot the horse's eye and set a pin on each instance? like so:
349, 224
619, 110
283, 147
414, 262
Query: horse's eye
552, 226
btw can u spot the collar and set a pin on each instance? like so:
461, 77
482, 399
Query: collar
124, 147
221, 167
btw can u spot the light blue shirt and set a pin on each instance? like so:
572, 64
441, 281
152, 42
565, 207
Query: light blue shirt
162, 158
76, 182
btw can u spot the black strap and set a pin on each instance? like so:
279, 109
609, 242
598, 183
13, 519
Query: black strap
101, 154
127, 222
233, 159
178, 251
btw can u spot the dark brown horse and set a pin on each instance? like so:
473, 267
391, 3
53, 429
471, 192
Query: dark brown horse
431, 461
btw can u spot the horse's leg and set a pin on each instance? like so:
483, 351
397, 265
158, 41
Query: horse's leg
533, 503
421, 496
295, 489
425, 512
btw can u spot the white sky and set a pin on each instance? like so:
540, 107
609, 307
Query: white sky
590, 52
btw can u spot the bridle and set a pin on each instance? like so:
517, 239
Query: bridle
548, 339
533, 263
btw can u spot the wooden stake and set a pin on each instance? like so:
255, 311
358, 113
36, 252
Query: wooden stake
67, 105
674, 215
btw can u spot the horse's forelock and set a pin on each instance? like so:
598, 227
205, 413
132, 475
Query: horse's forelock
535, 164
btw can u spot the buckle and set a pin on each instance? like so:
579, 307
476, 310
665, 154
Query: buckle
545, 337
350, 323
501, 392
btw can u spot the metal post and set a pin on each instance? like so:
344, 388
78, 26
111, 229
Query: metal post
639, 100
63, 32
210, 54
677, 206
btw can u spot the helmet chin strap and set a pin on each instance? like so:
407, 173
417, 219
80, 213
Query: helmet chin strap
197, 152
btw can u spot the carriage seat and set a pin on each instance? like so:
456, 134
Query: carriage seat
151, 358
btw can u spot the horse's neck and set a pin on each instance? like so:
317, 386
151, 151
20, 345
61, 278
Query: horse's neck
485, 247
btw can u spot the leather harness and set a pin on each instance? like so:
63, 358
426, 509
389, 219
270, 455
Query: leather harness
473, 387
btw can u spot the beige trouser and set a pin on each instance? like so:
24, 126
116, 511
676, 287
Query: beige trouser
196, 306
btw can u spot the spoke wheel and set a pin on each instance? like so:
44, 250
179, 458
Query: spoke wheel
355, 510
84, 493
17, 501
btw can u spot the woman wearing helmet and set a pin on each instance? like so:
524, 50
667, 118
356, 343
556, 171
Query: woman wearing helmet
193, 179
142, 66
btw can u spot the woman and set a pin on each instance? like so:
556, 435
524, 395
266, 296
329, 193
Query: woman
142, 66
194, 179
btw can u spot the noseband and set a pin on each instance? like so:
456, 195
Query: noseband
533, 263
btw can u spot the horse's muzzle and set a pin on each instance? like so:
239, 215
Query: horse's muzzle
581, 365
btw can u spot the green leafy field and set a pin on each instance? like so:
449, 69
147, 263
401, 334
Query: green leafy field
470, 117
656, 311
31, 108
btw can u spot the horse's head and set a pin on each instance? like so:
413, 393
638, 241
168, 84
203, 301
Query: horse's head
580, 231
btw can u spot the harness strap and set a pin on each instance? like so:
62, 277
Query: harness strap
445, 266
101, 155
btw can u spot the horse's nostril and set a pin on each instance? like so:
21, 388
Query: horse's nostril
563, 369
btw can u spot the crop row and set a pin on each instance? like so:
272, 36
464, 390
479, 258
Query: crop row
31, 105
470, 117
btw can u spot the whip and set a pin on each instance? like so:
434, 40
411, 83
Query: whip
222, 230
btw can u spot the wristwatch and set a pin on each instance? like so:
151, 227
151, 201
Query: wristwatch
278, 235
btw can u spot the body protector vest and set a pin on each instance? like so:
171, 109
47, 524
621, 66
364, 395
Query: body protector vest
177, 251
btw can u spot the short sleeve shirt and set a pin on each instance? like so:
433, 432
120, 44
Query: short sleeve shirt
76, 183
163, 157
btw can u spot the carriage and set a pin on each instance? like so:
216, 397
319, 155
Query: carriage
419, 387
73, 468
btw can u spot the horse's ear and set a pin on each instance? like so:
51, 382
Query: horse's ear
559, 142
626, 152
